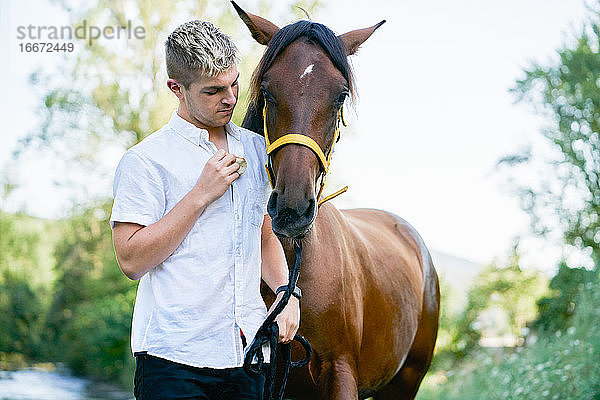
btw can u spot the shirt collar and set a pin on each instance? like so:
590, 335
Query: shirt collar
194, 134
233, 130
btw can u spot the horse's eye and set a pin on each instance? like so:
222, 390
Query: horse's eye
341, 98
267, 96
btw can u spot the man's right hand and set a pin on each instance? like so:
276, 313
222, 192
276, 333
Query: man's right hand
140, 248
216, 177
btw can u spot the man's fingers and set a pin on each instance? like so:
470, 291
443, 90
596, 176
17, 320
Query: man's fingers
287, 321
223, 158
231, 169
228, 160
287, 331
282, 330
285, 334
230, 178
219, 155
292, 332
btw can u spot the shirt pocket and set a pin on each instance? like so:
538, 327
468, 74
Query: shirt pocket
255, 203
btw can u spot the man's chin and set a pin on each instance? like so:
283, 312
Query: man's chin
220, 119
225, 118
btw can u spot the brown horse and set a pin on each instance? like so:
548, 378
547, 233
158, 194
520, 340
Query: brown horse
370, 291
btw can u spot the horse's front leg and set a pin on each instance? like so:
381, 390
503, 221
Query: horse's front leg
336, 380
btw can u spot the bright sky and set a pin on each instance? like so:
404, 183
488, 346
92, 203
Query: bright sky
433, 118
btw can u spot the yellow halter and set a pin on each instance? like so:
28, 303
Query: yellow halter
306, 141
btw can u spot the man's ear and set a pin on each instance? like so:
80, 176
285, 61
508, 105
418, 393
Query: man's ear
262, 30
353, 39
175, 87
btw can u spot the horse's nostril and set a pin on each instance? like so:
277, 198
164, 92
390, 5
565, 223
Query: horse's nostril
310, 210
272, 204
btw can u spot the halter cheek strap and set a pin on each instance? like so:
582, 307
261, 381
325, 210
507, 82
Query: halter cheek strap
303, 140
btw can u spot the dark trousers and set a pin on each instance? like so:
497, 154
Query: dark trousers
160, 379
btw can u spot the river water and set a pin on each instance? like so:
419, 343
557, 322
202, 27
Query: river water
40, 384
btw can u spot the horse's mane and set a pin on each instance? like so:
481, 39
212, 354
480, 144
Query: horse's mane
312, 31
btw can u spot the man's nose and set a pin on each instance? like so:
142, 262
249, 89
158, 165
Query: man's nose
229, 97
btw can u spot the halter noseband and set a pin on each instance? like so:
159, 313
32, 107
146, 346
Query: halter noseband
304, 140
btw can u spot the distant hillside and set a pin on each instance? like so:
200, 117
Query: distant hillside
457, 273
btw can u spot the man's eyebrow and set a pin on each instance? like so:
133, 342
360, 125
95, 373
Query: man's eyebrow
220, 87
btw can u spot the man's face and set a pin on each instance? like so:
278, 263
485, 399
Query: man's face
210, 101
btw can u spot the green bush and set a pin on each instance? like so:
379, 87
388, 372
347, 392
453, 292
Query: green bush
23, 294
507, 288
562, 366
98, 337
90, 316
555, 312
21, 317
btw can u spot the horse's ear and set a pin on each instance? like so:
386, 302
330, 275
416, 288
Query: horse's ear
261, 29
353, 39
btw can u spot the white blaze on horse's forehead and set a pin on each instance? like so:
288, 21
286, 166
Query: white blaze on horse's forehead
308, 70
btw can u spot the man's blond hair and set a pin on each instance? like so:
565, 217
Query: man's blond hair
198, 48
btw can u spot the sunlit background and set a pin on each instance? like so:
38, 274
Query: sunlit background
437, 112
433, 118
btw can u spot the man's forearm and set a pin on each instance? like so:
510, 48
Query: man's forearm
274, 271
149, 246
274, 268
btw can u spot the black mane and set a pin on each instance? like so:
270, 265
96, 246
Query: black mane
313, 31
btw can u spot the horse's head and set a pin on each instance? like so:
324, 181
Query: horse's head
300, 85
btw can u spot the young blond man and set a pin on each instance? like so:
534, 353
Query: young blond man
193, 228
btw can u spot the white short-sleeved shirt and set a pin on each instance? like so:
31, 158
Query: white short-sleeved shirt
190, 308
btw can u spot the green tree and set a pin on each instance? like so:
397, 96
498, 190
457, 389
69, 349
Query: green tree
555, 312
23, 298
21, 316
90, 316
509, 289
567, 92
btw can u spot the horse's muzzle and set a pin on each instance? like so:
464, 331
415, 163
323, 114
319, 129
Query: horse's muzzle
291, 222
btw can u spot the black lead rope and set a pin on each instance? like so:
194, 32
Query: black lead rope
269, 333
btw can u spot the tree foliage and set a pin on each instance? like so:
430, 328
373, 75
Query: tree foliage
555, 312
564, 199
567, 92
509, 290
23, 299
90, 316
559, 366
21, 316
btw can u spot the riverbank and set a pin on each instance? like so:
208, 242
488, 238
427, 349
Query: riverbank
43, 383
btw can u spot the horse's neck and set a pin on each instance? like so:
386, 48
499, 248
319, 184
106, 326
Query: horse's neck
328, 215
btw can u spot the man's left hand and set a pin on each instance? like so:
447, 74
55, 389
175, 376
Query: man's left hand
288, 320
